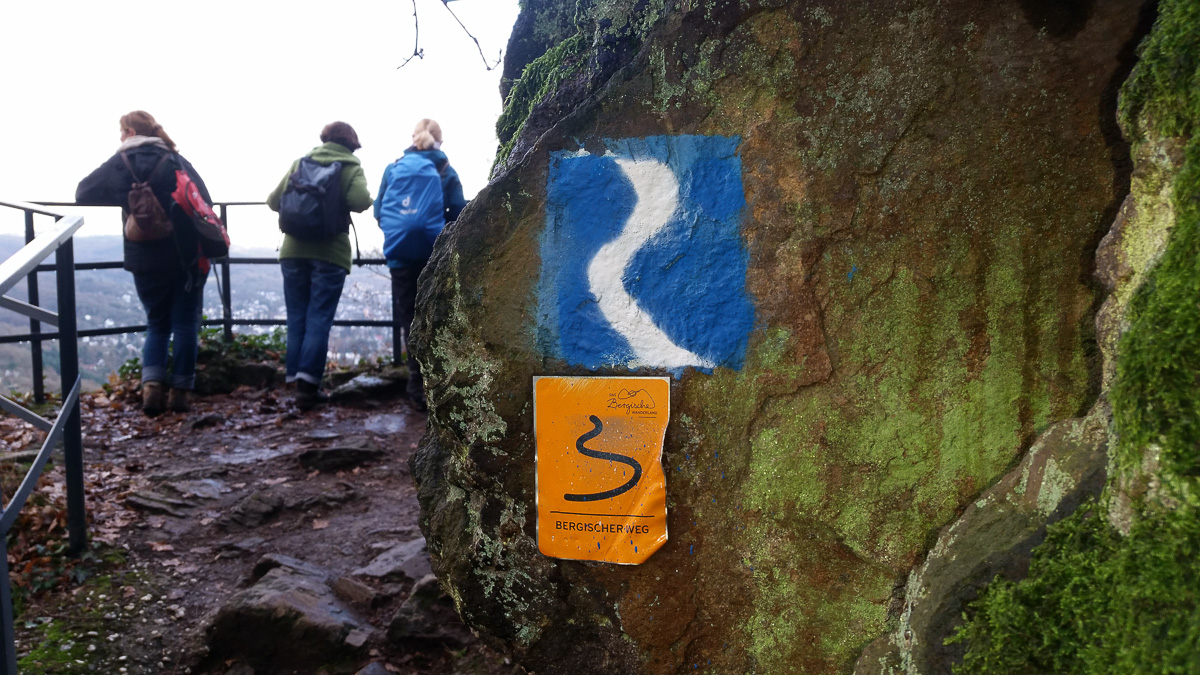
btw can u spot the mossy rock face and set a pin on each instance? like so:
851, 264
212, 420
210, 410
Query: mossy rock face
992, 538
925, 186
1115, 587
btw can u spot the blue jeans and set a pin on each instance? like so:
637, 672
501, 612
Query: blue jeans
172, 315
311, 291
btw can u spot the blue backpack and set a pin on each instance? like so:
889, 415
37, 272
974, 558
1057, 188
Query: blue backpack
411, 212
312, 206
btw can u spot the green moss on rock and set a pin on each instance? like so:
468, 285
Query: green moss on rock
1095, 602
539, 78
1163, 92
1156, 393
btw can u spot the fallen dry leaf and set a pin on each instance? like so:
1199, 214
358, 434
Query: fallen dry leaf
161, 546
320, 524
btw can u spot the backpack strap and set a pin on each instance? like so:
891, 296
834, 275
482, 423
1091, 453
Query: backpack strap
153, 172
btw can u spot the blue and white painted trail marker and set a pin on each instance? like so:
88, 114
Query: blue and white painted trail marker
642, 259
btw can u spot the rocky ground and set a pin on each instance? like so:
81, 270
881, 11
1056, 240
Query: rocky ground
243, 538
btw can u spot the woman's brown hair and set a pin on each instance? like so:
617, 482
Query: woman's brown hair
340, 132
142, 123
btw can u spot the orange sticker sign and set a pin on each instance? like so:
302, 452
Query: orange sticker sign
601, 493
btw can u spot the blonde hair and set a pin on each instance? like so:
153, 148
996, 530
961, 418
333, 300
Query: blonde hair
142, 123
426, 134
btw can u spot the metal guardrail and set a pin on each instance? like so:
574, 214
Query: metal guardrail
222, 267
66, 427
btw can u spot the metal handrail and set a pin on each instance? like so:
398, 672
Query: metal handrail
66, 427
13, 270
222, 267
37, 207
56, 431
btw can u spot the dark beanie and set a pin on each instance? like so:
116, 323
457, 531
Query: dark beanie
340, 132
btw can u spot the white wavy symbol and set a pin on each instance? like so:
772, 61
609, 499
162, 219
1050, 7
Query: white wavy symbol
656, 190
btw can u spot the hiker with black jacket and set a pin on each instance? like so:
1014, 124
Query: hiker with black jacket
315, 269
419, 195
168, 269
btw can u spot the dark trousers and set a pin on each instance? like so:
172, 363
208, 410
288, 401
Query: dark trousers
311, 291
173, 304
404, 304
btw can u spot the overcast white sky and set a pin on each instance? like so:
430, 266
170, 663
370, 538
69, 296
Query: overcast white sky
243, 87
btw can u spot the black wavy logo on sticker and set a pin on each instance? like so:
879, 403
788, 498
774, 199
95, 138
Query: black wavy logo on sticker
610, 456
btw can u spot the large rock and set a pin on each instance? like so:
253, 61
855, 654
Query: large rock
289, 618
916, 191
428, 615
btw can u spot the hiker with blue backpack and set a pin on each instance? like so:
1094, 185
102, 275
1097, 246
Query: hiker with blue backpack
314, 201
420, 194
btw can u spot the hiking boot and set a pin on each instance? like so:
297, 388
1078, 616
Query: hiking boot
308, 395
177, 401
154, 399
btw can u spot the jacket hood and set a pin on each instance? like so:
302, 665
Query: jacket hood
332, 152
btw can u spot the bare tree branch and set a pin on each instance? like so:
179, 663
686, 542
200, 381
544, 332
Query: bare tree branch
446, 4
418, 53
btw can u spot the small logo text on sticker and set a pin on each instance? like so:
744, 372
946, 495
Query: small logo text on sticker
635, 401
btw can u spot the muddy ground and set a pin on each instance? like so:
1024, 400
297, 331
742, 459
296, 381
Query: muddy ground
183, 506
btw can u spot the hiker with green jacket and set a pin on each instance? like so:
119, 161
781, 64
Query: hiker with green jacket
315, 269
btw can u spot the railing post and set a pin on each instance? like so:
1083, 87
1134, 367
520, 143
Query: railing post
68, 351
35, 326
226, 290
9, 634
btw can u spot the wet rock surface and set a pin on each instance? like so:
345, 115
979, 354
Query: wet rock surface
408, 560
426, 616
289, 618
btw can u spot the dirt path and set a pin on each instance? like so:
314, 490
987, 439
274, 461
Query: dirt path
185, 506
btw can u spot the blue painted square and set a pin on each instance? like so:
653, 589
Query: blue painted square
642, 258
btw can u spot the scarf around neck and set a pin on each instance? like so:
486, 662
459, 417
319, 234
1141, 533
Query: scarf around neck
138, 141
